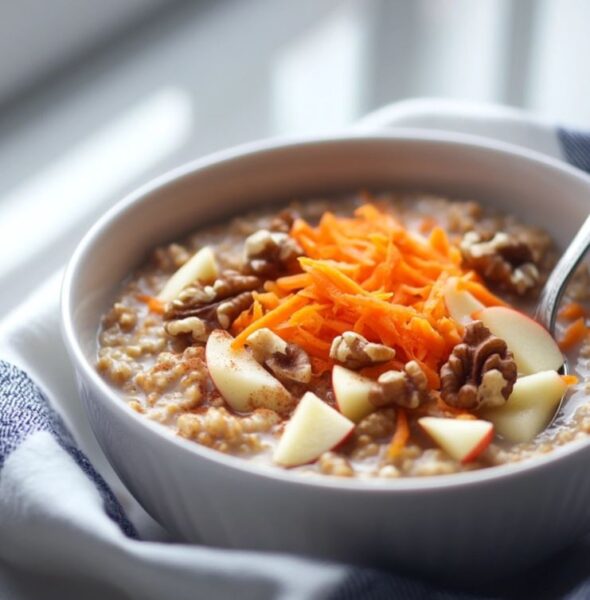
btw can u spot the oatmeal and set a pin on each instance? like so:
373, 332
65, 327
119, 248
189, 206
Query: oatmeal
379, 336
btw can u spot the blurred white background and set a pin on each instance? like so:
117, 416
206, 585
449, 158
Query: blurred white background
96, 97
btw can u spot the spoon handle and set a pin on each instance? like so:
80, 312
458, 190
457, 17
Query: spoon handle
561, 274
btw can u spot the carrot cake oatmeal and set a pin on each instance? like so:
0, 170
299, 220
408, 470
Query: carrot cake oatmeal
367, 336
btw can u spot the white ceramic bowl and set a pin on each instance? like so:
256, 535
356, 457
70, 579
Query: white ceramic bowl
471, 525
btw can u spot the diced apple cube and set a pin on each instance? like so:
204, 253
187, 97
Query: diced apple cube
530, 407
352, 393
314, 428
243, 382
462, 439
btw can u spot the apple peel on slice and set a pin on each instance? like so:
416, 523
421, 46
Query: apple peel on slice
314, 428
201, 267
352, 393
531, 344
462, 439
240, 379
460, 303
529, 408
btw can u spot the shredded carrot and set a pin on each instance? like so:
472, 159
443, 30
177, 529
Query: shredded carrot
439, 240
571, 311
242, 321
333, 275
313, 342
574, 334
270, 319
483, 294
369, 274
319, 366
569, 379
268, 300
294, 282
401, 435
153, 303
431, 374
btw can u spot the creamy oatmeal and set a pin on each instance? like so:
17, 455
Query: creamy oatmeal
379, 336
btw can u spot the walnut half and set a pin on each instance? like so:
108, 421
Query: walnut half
501, 258
355, 352
480, 372
189, 325
287, 361
407, 388
214, 306
270, 253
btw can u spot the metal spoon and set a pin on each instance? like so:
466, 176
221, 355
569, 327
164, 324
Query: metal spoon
557, 281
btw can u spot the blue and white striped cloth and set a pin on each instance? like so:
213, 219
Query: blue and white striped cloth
67, 533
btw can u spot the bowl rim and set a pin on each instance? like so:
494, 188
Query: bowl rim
253, 468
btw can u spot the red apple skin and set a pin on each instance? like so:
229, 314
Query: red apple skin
344, 440
483, 444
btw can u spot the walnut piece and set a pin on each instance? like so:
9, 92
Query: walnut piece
214, 306
193, 325
292, 366
264, 343
270, 253
286, 361
480, 372
407, 388
228, 310
355, 352
502, 259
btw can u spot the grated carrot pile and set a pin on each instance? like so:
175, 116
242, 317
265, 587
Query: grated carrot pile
367, 274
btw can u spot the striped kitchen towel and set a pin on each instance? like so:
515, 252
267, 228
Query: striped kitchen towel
67, 531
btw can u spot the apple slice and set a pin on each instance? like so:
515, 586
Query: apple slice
529, 408
532, 345
352, 393
202, 267
460, 303
243, 383
462, 439
314, 428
